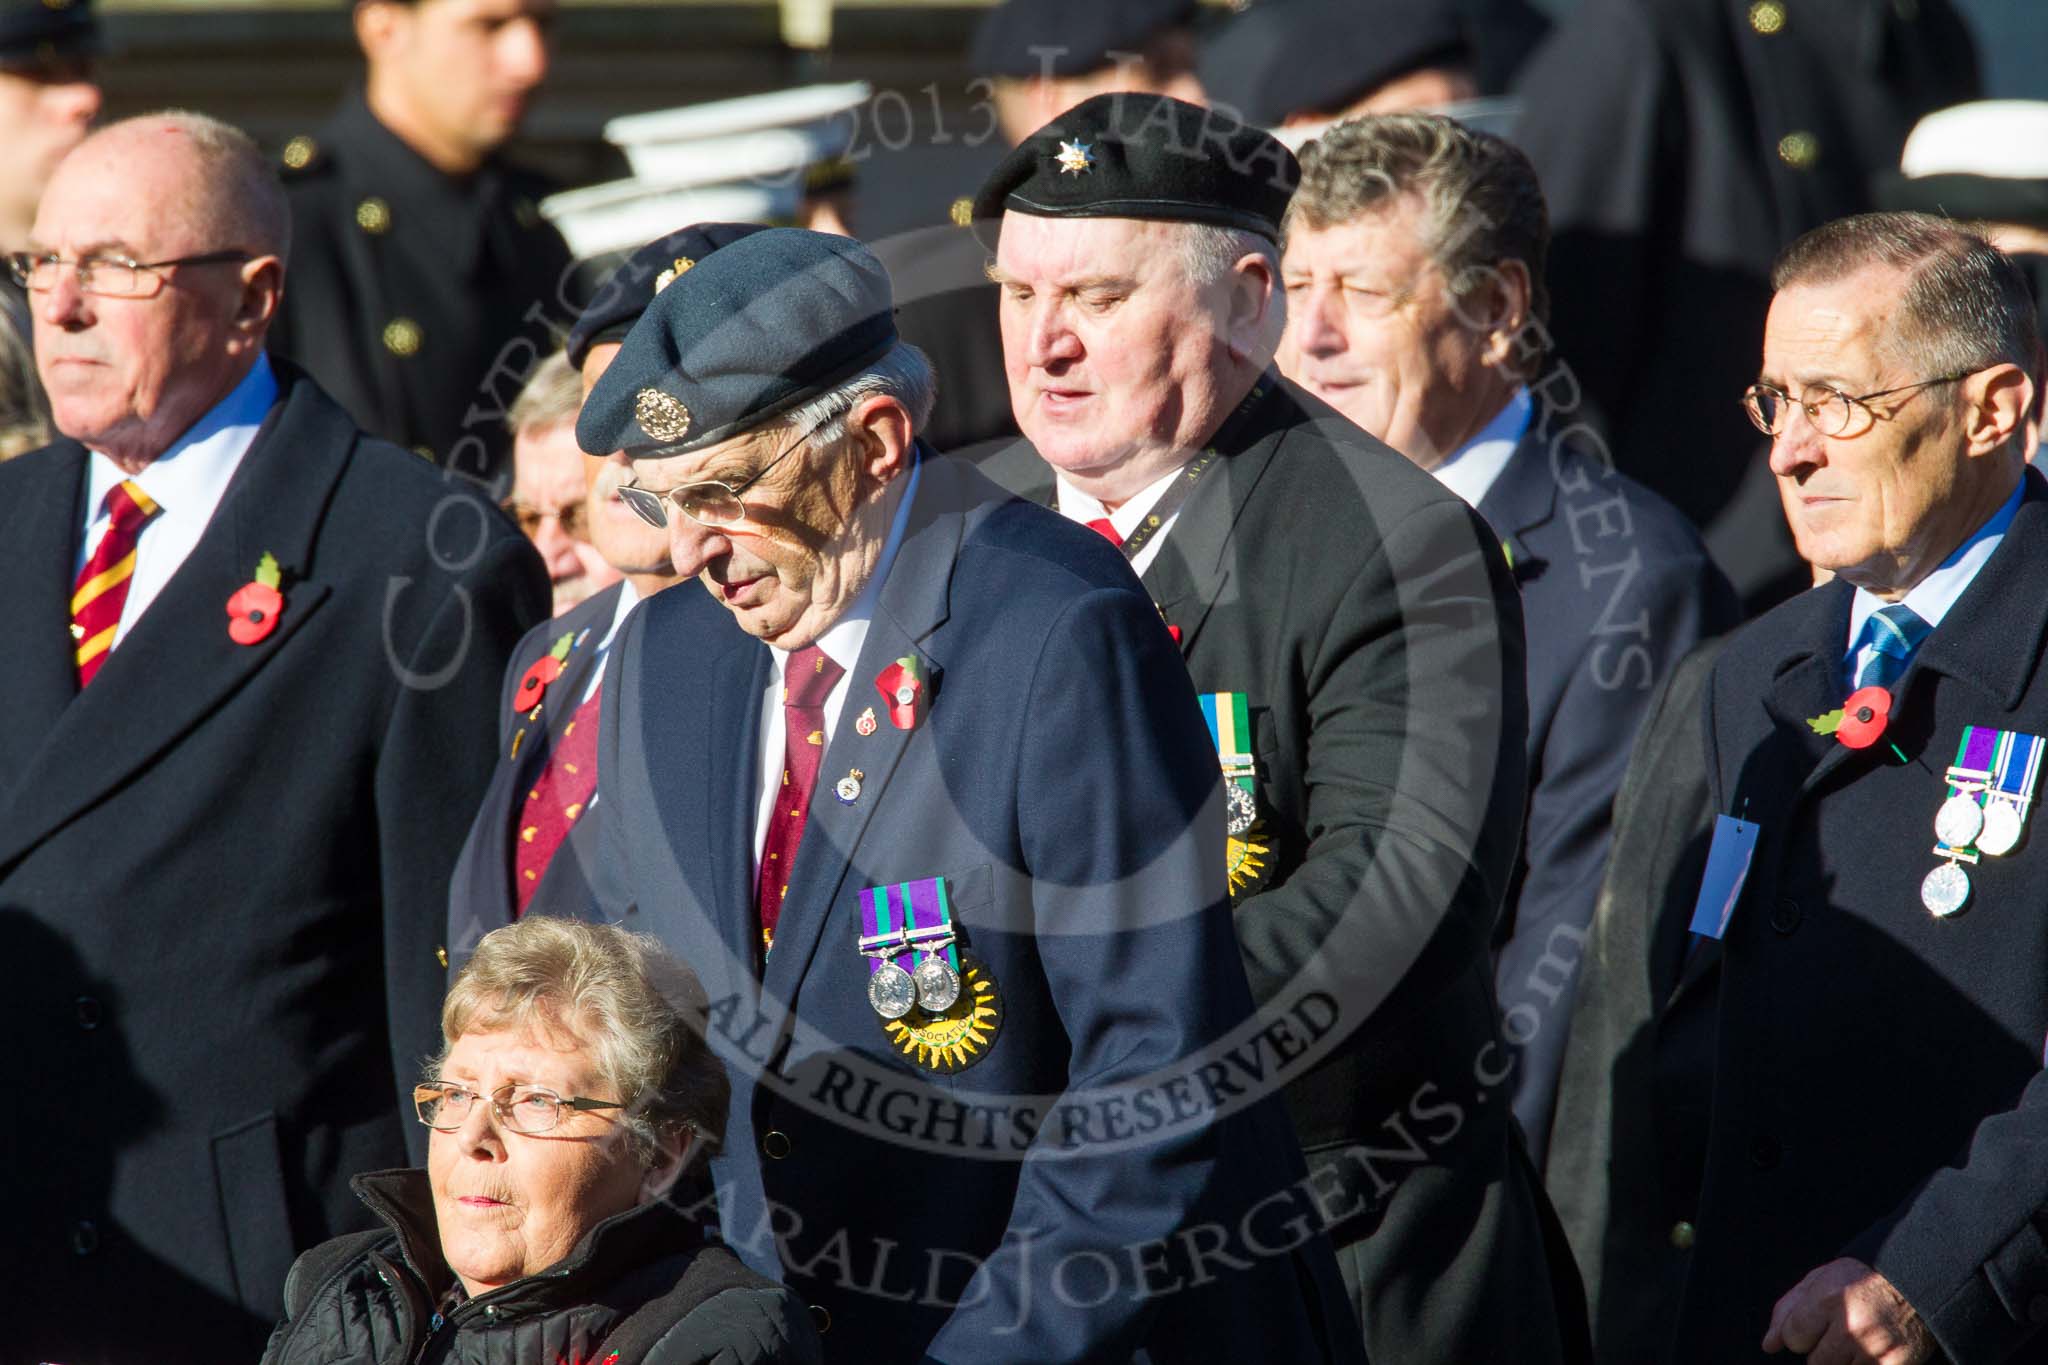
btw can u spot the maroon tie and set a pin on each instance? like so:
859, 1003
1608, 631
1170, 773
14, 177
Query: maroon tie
102, 588
1104, 527
555, 802
806, 682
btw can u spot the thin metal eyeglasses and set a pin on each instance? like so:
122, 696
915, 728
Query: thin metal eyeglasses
574, 518
522, 1108
707, 502
110, 277
1831, 411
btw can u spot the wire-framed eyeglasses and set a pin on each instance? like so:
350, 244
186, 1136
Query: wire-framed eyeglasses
1832, 412
707, 502
110, 277
522, 1108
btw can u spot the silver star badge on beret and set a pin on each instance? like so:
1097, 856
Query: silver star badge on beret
1076, 158
662, 416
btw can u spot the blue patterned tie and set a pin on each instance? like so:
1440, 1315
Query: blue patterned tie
1892, 634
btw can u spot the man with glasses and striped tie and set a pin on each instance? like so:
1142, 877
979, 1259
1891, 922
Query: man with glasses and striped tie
1874, 1175
251, 690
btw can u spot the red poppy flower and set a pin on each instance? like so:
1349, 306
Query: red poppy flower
253, 612
545, 670
1864, 716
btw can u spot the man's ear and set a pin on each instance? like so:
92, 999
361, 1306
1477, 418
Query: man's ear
1249, 329
262, 292
881, 429
1499, 307
1997, 403
377, 25
671, 1155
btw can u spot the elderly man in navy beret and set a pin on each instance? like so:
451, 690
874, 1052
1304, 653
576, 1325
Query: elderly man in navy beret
1355, 636
918, 787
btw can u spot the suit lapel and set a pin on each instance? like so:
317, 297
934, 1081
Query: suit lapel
733, 752
1522, 499
177, 665
41, 532
1806, 683
910, 607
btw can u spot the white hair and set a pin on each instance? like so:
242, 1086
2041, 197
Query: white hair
903, 374
1209, 253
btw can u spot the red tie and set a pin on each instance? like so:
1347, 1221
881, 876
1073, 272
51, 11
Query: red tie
1104, 527
555, 801
806, 683
102, 587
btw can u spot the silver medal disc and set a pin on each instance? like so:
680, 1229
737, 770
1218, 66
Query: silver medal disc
938, 985
2002, 827
1241, 812
1944, 890
891, 991
1957, 822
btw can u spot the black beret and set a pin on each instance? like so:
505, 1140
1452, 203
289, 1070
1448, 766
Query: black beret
1144, 156
626, 292
33, 31
763, 324
1318, 56
1073, 37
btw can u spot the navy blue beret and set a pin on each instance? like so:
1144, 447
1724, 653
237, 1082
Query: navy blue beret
626, 292
35, 31
1319, 56
756, 328
1144, 156
1072, 37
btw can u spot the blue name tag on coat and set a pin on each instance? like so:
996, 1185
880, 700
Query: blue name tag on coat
1727, 868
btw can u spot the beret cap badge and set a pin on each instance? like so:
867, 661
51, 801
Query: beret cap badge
668, 276
662, 416
1075, 158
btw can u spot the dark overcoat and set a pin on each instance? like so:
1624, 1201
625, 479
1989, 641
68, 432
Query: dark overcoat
1096, 1158
225, 869
1878, 1087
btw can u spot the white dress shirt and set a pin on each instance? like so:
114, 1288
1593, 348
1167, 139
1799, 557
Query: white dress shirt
629, 598
842, 643
1078, 506
1933, 595
1473, 467
187, 482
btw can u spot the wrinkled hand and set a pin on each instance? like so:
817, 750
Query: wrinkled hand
1845, 1313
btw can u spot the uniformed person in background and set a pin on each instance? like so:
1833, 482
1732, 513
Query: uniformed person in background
424, 281
47, 99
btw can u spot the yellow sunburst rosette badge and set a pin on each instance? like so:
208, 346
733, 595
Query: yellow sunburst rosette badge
1245, 855
1228, 715
958, 1036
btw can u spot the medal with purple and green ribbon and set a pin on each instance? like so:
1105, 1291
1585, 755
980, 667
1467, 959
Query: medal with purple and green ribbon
1229, 718
907, 937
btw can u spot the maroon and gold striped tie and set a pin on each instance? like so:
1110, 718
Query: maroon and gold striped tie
103, 584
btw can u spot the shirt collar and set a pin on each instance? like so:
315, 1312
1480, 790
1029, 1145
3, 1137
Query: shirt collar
192, 474
1078, 506
629, 597
1473, 467
843, 639
1933, 595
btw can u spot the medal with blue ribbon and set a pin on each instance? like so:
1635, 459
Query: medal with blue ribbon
938, 1004
1228, 715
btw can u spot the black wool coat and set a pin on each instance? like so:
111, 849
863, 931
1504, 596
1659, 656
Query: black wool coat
223, 875
1878, 1087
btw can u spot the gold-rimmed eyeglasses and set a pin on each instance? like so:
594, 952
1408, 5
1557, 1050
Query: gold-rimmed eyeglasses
522, 1108
109, 277
1831, 411
707, 502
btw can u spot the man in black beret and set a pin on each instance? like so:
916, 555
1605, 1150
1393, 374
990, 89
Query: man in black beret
1355, 635
424, 280
47, 100
532, 846
919, 789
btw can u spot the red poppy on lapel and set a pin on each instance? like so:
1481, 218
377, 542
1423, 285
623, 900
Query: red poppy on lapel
902, 686
1864, 716
533, 685
256, 605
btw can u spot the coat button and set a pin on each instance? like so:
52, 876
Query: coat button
1785, 917
1683, 1235
821, 1318
1764, 1151
1767, 17
402, 337
298, 153
85, 1237
1799, 150
373, 216
88, 1011
775, 1144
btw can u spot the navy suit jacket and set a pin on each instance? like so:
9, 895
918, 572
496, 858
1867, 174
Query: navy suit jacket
480, 896
1092, 1185
1878, 1090
1616, 588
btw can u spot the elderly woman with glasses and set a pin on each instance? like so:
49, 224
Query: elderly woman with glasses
571, 1092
